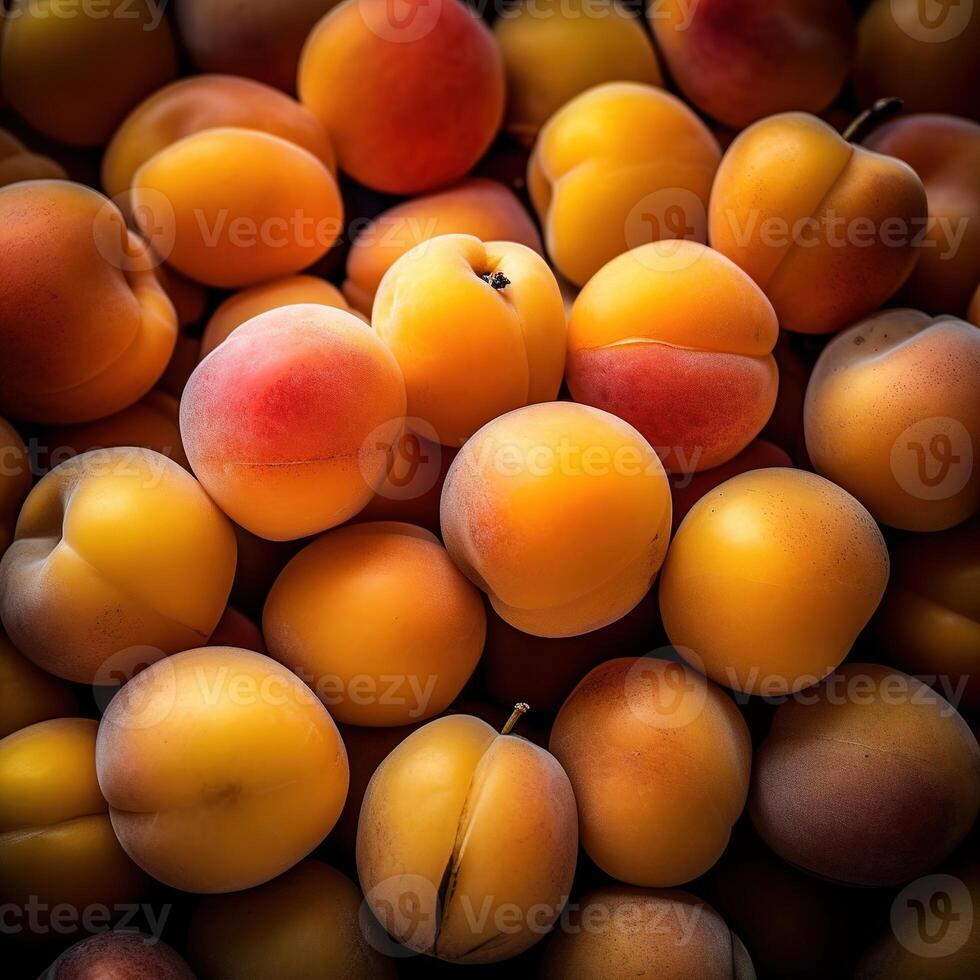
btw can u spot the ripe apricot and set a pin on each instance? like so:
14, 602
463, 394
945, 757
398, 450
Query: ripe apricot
826, 227
617, 167
119, 954
467, 841
15, 480
478, 329
18, 163
27, 693
561, 514
892, 415
659, 760
232, 207
411, 102
119, 558
85, 327
288, 423
221, 769
677, 340
476, 206
378, 621
770, 578
871, 779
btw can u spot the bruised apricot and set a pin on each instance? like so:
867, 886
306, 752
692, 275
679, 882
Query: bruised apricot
27, 693
561, 513
15, 480
677, 340
18, 163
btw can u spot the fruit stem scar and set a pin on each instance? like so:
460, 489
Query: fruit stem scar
496, 279
519, 709
870, 119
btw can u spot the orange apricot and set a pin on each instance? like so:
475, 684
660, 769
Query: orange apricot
18, 163
27, 693
15, 480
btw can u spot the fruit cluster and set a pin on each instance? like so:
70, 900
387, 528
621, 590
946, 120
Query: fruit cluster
373, 370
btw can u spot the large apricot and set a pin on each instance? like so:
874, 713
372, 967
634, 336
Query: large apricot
478, 329
770, 578
27, 693
120, 557
617, 167
85, 328
221, 769
659, 760
892, 415
677, 340
871, 778
561, 513
15, 480
410, 102
467, 841
288, 423
378, 621
18, 163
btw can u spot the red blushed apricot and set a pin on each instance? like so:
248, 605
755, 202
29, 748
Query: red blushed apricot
72, 73
119, 954
677, 340
27, 693
235, 629
85, 328
410, 103
204, 102
15, 480
232, 207
871, 779
289, 422
479, 207
18, 163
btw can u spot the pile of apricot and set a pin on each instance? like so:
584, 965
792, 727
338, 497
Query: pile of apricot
489, 485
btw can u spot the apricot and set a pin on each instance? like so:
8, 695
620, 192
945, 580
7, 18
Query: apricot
73, 73
945, 152
770, 578
871, 779
15, 480
480, 207
119, 557
556, 49
826, 227
740, 60
620, 932
677, 340
929, 620
191, 105
57, 847
288, 423
454, 306
27, 693
303, 924
467, 841
616, 167
112, 954
561, 514
221, 769
18, 163
411, 102
232, 207
85, 328
378, 621
892, 416
235, 629
659, 760
247, 303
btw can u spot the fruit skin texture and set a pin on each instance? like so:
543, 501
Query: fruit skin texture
120, 557
825, 227
56, 842
874, 788
561, 514
617, 167
554, 50
288, 422
740, 60
15, 480
108, 955
85, 327
221, 769
469, 351
73, 76
191, 105
27, 693
642, 931
18, 163
677, 340
458, 813
659, 759
409, 105
377, 602
891, 414
770, 578
475, 206
232, 207
945, 152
